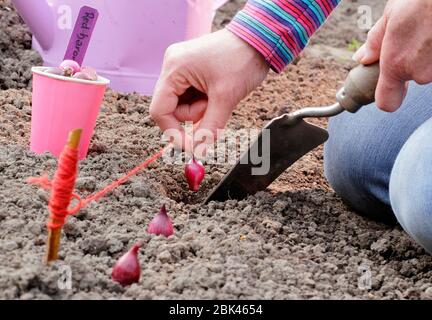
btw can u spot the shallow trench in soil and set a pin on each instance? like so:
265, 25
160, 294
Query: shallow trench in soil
296, 240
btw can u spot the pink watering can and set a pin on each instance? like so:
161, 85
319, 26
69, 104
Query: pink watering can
129, 40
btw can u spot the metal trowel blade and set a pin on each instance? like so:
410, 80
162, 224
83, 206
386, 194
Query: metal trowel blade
281, 143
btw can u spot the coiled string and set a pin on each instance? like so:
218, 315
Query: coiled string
63, 184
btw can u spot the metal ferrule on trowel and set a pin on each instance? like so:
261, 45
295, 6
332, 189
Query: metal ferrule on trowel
291, 137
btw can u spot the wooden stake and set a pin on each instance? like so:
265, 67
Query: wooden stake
53, 245
74, 138
54, 235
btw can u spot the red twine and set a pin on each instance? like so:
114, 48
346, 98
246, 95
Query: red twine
63, 184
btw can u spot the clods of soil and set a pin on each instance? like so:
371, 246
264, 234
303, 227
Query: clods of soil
296, 240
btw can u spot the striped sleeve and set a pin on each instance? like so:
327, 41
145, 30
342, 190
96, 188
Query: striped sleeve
280, 29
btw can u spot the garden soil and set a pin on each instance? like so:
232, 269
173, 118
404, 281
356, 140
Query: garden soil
296, 240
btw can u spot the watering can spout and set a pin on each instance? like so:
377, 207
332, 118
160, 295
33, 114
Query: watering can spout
39, 17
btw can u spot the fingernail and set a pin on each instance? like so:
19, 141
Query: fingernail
360, 53
392, 102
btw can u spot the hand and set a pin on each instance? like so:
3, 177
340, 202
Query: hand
402, 41
202, 81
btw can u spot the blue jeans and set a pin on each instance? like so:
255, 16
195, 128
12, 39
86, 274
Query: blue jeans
381, 163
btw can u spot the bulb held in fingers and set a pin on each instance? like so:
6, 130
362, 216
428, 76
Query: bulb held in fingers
194, 172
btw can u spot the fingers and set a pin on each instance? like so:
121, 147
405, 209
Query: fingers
163, 105
390, 91
191, 112
162, 111
216, 116
370, 51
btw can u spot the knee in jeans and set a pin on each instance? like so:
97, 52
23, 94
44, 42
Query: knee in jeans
411, 186
341, 165
350, 164
415, 216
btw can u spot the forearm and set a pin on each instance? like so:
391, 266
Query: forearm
280, 29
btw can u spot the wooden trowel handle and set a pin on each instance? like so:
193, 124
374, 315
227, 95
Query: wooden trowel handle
359, 88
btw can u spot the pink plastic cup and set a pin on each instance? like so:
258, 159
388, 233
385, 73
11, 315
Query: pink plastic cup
61, 104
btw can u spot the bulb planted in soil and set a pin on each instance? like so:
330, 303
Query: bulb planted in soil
127, 269
194, 172
161, 224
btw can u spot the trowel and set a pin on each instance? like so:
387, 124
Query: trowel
287, 138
